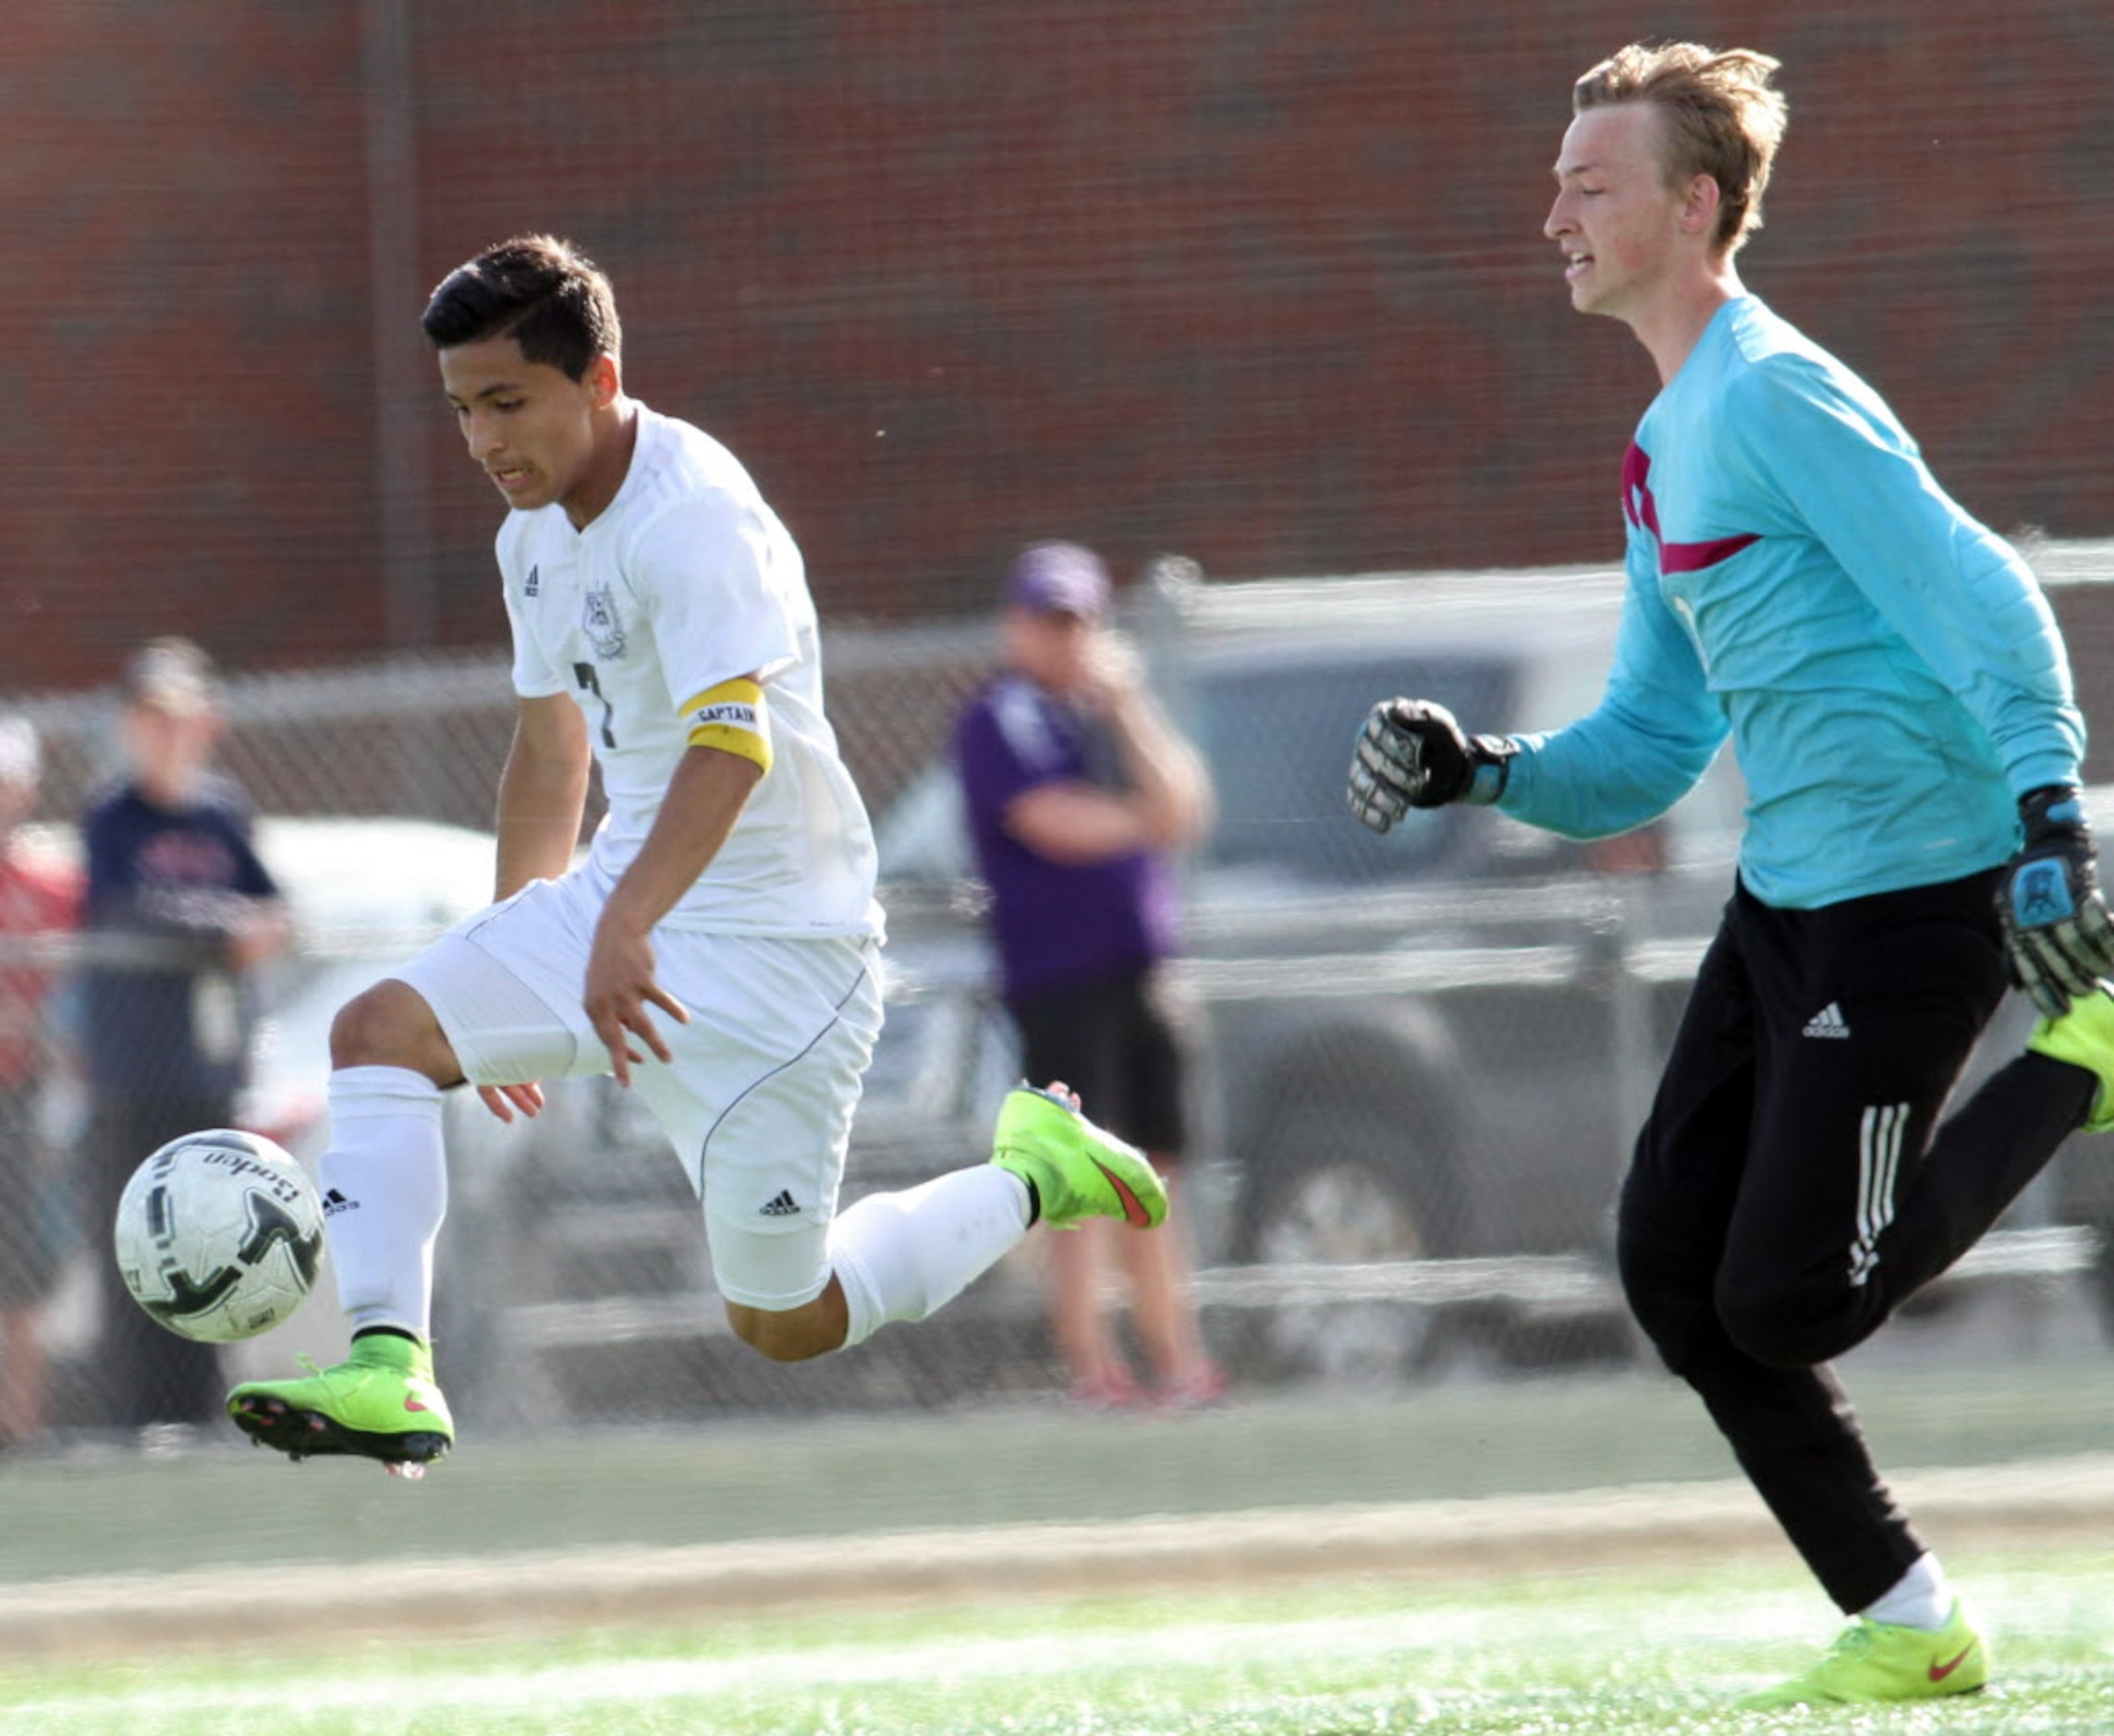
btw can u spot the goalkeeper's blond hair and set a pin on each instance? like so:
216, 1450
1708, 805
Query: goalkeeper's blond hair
1723, 117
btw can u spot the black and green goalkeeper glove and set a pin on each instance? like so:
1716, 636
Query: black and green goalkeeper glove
1411, 754
2058, 934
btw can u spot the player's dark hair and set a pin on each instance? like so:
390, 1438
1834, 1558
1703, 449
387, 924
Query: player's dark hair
544, 293
1724, 118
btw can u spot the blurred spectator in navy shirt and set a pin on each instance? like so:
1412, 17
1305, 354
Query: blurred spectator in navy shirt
166, 1021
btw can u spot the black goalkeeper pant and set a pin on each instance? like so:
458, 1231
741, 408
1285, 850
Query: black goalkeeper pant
1792, 1185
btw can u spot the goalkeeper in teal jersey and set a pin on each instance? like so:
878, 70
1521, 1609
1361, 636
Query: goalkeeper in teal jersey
1893, 683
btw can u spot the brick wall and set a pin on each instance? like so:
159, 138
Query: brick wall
1258, 280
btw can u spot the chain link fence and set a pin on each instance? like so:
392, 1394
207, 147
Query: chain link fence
1424, 1057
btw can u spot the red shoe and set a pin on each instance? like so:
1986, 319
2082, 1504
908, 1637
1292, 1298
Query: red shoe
1197, 1390
1113, 1388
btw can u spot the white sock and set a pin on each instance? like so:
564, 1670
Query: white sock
1919, 1598
902, 1256
384, 1184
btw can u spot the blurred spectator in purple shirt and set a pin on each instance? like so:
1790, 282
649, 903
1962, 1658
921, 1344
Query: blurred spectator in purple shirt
1079, 794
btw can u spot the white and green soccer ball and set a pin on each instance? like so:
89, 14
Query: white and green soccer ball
219, 1234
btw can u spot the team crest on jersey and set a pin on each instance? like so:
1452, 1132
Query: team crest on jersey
599, 620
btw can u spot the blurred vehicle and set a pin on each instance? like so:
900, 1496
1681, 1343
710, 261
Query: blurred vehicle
365, 895
1430, 1046
1429, 1053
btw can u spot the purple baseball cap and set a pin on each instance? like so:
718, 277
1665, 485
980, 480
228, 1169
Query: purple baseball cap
1058, 578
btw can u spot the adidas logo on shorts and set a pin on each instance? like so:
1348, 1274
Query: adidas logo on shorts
785, 1205
1827, 1022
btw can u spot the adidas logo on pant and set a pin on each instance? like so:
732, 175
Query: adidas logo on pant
785, 1205
1827, 1022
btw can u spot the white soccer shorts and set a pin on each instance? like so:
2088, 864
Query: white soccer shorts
758, 1097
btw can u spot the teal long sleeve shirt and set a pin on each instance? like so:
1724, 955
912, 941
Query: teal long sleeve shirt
1887, 669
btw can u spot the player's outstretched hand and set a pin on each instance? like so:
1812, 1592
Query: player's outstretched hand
1413, 754
503, 1100
620, 988
2058, 935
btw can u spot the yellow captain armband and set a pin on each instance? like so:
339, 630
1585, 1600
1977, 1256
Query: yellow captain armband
731, 718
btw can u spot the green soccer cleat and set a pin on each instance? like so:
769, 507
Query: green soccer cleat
2084, 1037
1071, 1167
381, 1402
1873, 1661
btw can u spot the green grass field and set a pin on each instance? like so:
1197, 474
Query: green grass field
1443, 1634
791, 1477
1629, 1652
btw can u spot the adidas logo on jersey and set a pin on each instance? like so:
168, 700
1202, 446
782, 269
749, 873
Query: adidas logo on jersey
334, 1203
1828, 1022
783, 1207
535, 581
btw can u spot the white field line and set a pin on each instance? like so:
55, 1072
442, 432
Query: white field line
1088, 1655
1431, 1649
2066, 1497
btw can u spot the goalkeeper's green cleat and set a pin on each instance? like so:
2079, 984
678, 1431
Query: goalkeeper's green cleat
381, 1402
2084, 1037
1075, 1170
1873, 1661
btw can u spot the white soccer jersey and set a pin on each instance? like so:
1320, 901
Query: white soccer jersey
688, 580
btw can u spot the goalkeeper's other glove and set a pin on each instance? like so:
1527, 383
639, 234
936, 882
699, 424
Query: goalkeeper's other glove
1411, 754
2057, 930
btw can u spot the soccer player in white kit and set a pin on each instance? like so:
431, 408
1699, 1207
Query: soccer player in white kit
716, 950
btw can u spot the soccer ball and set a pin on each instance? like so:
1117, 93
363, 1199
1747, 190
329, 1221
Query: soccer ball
219, 1235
